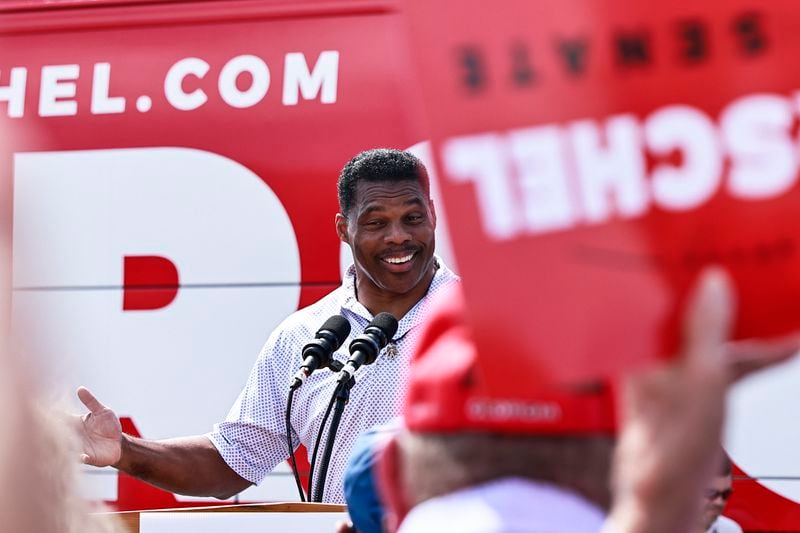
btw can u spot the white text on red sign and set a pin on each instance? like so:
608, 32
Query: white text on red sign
58, 86
555, 177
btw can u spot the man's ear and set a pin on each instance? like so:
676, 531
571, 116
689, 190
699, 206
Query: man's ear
433, 212
341, 228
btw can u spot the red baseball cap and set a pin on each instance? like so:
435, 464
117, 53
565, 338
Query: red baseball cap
448, 390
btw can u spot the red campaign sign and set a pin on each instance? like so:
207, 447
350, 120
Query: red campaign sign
595, 156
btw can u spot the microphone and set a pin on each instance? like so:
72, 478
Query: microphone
365, 348
317, 353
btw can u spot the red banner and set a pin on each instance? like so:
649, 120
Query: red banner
595, 156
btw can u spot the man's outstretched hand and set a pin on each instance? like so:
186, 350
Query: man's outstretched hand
99, 430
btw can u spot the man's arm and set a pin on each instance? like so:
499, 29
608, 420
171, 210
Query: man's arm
187, 465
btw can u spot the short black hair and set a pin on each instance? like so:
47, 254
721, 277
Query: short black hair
378, 165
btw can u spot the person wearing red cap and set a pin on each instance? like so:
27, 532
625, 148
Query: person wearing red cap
472, 460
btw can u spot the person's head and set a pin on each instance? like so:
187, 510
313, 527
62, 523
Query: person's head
717, 493
435, 464
387, 218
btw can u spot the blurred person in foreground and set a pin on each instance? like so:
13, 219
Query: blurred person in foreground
470, 460
39, 471
716, 495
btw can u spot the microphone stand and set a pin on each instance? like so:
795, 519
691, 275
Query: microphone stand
342, 395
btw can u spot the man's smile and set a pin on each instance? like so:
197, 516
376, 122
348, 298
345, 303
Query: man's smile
399, 261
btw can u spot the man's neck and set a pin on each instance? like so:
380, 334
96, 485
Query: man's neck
395, 304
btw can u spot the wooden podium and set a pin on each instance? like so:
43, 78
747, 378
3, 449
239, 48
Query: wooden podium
136, 521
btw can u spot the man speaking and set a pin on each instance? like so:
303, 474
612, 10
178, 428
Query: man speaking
388, 220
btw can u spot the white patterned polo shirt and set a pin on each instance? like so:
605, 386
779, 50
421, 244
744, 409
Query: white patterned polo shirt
252, 439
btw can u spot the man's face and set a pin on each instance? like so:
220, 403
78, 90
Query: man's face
390, 230
715, 498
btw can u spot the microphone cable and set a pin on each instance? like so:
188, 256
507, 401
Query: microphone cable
342, 396
290, 441
319, 438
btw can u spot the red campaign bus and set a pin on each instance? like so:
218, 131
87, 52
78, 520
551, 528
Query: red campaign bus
169, 181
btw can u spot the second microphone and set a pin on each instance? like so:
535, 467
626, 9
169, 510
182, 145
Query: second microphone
365, 348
